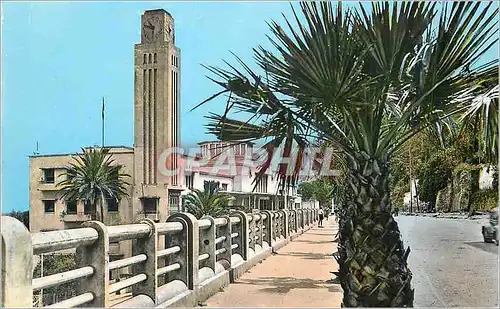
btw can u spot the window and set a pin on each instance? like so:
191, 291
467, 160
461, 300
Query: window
71, 207
87, 208
149, 58
150, 205
144, 61
155, 58
224, 187
262, 185
189, 181
48, 175
173, 203
49, 206
112, 204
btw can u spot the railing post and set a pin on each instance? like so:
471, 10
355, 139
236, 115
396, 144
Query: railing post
301, 219
285, 224
251, 232
225, 230
242, 230
188, 241
207, 244
97, 256
277, 230
149, 247
17, 268
294, 220
259, 229
268, 223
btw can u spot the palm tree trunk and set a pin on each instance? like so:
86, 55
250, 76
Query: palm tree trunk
100, 213
375, 273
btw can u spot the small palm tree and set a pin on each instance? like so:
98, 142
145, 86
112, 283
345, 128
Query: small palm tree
209, 202
93, 178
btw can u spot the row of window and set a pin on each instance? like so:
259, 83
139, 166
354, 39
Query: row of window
49, 175
150, 205
49, 206
150, 58
213, 149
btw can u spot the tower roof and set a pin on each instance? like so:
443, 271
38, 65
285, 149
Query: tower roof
157, 11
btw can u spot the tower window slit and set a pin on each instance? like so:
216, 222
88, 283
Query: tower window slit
155, 57
150, 129
144, 61
154, 124
149, 58
144, 118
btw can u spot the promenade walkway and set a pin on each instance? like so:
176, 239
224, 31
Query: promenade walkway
297, 276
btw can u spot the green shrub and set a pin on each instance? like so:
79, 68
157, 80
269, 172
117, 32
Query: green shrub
53, 264
485, 199
434, 177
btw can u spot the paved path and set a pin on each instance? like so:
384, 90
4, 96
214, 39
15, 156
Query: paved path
294, 277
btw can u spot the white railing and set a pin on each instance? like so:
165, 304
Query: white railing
164, 260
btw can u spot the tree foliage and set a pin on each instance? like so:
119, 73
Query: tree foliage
319, 189
55, 264
23, 216
209, 202
433, 177
93, 177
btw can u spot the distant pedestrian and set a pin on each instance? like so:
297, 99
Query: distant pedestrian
321, 215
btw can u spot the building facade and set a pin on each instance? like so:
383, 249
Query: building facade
235, 166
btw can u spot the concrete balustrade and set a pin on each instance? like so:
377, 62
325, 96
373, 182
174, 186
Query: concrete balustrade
199, 257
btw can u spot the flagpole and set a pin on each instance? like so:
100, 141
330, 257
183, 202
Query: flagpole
102, 122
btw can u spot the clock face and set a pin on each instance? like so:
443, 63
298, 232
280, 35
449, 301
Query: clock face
152, 28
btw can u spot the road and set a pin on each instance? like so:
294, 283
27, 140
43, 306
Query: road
451, 265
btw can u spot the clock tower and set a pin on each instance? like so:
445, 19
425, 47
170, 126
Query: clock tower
156, 115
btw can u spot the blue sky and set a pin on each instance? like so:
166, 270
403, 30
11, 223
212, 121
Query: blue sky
60, 58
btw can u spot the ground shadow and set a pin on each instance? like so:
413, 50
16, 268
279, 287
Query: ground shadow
322, 234
283, 285
307, 255
488, 247
314, 242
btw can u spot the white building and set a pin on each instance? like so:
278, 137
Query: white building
235, 167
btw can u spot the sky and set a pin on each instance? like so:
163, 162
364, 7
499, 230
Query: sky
60, 58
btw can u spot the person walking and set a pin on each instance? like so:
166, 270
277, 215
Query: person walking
321, 215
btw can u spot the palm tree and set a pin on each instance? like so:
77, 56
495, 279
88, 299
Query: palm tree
365, 82
93, 177
209, 202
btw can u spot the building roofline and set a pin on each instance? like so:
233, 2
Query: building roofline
76, 153
157, 10
235, 142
